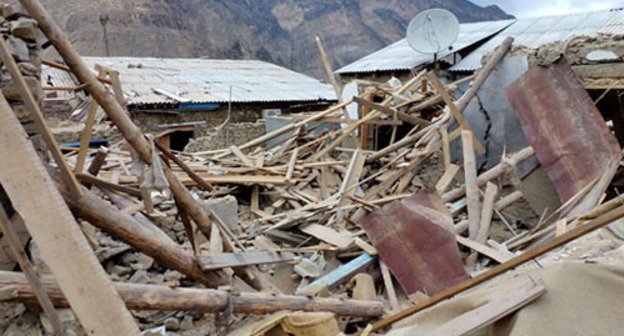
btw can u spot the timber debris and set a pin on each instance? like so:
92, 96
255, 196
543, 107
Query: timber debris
317, 227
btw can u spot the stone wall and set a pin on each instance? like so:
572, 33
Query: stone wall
149, 121
235, 134
20, 34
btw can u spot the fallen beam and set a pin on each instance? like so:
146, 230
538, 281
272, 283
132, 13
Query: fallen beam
157, 297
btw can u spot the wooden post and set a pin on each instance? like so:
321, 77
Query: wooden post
85, 137
331, 77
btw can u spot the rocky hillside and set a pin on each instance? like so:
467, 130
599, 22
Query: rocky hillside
280, 31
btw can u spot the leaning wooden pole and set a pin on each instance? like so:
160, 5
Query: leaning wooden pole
158, 297
111, 106
571, 235
145, 238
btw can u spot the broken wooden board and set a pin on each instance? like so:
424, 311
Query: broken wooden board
55, 231
213, 261
338, 276
468, 323
566, 130
428, 259
328, 235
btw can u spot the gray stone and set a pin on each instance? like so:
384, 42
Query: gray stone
187, 323
172, 323
68, 322
144, 262
29, 69
24, 28
140, 277
6, 10
11, 91
226, 208
18, 48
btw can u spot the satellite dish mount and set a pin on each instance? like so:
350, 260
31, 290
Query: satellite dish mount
433, 31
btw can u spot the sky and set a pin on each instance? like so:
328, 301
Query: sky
529, 8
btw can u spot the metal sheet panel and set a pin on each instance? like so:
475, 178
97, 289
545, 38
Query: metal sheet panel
207, 81
536, 31
567, 132
400, 56
415, 238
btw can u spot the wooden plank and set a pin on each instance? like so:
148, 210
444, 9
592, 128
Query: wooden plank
328, 235
216, 242
476, 319
483, 249
446, 148
387, 279
241, 156
33, 279
239, 179
351, 177
38, 118
561, 227
55, 231
472, 190
447, 178
213, 261
291, 164
491, 190
85, 137
338, 276
331, 77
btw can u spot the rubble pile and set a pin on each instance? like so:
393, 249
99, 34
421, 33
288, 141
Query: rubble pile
305, 230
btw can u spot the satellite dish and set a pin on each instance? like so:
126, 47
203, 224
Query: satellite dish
432, 31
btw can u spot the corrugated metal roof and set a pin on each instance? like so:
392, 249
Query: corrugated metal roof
57, 78
208, 81
533, 32
400, 56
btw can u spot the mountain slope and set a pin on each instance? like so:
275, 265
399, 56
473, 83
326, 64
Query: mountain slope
280, 31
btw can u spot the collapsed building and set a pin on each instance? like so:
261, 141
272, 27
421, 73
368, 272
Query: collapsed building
306, 230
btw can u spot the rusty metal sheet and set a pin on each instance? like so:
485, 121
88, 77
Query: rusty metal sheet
566, 130
415, 238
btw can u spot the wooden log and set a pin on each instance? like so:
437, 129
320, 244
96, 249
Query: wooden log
157, 297
88, 179
190, 172
145, 237
565, 238
55, 231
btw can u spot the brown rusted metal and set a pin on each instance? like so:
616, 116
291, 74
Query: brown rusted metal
566, 130
415, 238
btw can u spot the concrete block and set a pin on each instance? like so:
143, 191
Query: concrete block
24, 28
225, 208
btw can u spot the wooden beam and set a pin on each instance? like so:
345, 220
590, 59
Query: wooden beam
331, 77
190, 172
538, 251
491, 190
55, 231
472, 190
92, 180
446, 148
165, 298
447, 178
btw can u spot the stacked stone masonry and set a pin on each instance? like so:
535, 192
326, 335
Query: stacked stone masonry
20, 34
